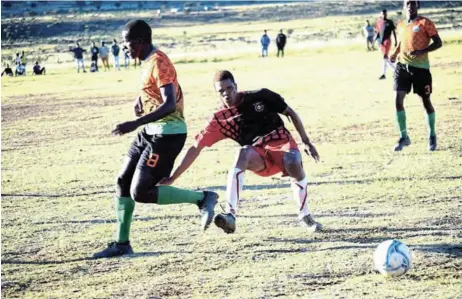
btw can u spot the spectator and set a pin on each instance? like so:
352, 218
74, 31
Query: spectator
281, 42
94, 55
7, 71
20, 70
115, 53
37, 70
369, 34
126, 57
19, 58
78, 55
265, 41
104, 53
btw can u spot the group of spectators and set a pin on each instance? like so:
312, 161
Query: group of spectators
265, 41
20, 67
102, 52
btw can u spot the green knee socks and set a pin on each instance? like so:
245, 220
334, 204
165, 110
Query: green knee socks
171, 195
124, 211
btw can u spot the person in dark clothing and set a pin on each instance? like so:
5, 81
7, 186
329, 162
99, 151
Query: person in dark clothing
37, 70
7, 71
281, 43
94, 55
385, 28
78, 55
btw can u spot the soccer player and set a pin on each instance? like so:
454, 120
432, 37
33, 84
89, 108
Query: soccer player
413, 68
153, 152
384, 29
267, 148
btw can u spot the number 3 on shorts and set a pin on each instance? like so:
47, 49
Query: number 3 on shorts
427, 89
152, 161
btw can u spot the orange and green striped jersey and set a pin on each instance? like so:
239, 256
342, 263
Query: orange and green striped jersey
415, 35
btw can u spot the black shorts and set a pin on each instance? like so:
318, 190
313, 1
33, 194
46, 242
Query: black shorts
419, 79
156, 154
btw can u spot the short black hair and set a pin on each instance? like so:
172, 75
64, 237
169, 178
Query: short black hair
139, 29
384, 10
223, 75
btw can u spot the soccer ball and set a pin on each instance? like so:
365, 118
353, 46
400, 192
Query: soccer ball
392, 258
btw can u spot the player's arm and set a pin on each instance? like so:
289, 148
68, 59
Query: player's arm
191, 155
395, 52
167, 107
396, 40
297, 121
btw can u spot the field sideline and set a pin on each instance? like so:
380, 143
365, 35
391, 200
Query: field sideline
59, 163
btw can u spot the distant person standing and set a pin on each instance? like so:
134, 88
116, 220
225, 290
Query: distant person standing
126, 57
413, 68
384, 29
369, 34
94, 55
19, 58
7, 71
78, 55
104, 53
281, 43
37, 70
115, 49
265, 41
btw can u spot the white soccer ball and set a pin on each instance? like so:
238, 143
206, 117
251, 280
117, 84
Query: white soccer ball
392, 258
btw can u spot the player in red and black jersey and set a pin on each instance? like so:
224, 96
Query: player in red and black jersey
267, 148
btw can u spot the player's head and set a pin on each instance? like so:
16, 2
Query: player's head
280, 30
137, 36
226, 87
93, 44
367, 22
102, 44
17, 54
77, 44
383, 14
265, 31
411, 7
36, 63
114, 41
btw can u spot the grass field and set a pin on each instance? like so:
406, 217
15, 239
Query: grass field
59, 163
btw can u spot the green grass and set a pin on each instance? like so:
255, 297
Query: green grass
59, 163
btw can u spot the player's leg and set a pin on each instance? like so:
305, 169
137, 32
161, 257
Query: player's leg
422, 85
124, 203
247, 158
402, 86
292, 164
156, 162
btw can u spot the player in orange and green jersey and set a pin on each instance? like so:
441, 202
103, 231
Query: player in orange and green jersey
413, 68
152, 154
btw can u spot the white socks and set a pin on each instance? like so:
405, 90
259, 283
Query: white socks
300, 194
234, 189
386, 62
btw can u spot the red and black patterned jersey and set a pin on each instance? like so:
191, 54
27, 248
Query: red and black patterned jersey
256, 116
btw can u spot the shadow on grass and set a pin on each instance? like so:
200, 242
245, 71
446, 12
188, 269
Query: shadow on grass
249, 187
57, 262
335, 182
52, 262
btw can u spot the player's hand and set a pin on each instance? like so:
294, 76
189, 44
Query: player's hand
416, 53
138, 107
310, 150
166, 181
125, 128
